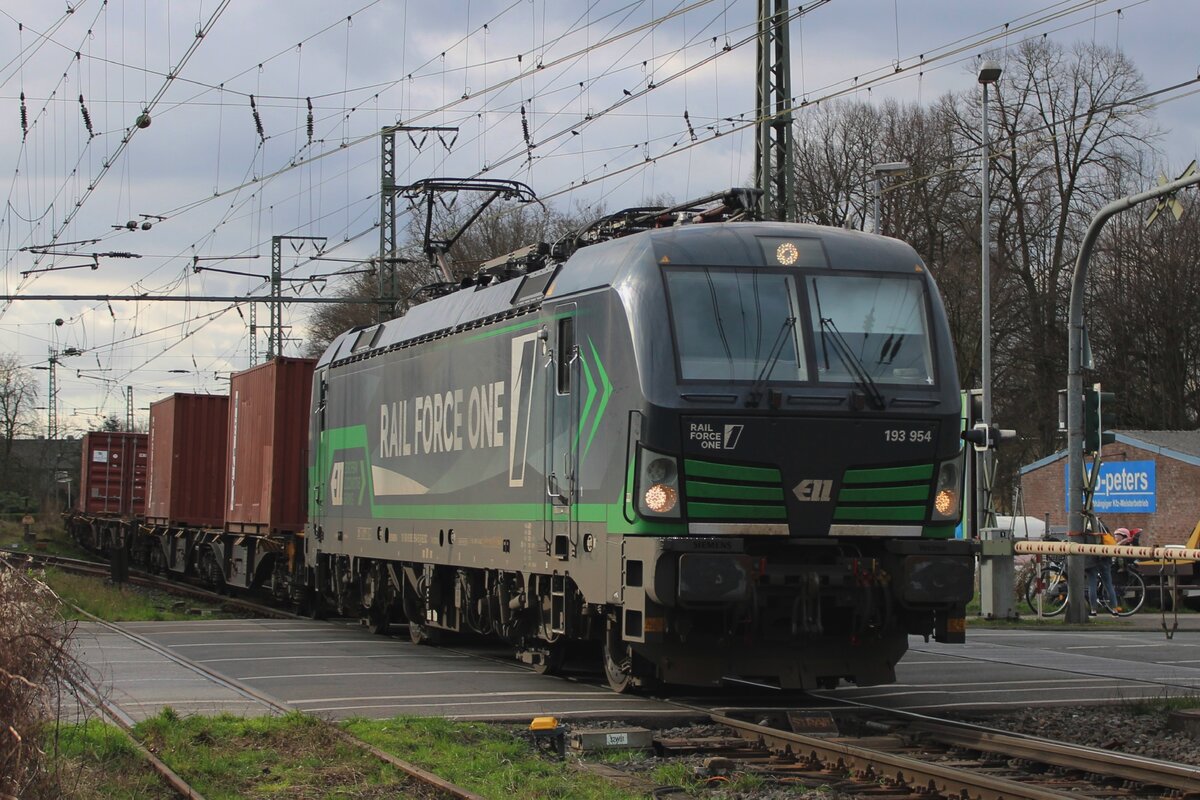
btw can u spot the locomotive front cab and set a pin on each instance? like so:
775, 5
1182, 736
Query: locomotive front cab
806, 449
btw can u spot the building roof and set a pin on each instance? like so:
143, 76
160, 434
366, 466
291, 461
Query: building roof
1180, 445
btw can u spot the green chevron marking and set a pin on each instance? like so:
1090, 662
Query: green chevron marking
604, 395
587, 403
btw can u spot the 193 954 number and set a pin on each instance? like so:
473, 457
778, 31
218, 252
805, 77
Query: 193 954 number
907, 435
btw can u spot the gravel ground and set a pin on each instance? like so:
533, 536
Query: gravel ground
1134, 728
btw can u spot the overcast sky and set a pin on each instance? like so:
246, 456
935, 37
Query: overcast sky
581, 72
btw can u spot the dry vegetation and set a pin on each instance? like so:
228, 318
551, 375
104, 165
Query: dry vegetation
37, 671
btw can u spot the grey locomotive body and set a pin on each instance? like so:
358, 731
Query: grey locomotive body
726, 451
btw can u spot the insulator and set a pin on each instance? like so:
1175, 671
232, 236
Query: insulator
688, 120
87, 118
310, 119
24, 118
258, 126
525, 127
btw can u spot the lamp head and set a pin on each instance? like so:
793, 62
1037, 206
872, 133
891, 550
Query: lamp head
989, 71
890, 168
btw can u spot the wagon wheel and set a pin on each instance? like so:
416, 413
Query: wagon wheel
314, 606
553, 659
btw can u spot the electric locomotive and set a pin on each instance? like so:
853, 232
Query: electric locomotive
721, 451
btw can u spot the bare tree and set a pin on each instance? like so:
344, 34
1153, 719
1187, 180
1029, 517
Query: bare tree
1067, 128
1144, 316
18, 394
836, 143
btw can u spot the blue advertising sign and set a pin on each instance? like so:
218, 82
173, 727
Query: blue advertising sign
1123, 487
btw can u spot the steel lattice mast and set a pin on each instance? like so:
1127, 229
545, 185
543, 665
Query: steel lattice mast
773, 166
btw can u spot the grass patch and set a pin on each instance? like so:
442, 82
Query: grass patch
51, 538
1146, 706
294, 756
485, 759
95, 761
124, 603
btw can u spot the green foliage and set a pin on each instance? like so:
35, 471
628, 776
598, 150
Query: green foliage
294, 756
1164, 703
97, 762
486, 759
122, 603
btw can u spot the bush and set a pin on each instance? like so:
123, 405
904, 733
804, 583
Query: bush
37, 670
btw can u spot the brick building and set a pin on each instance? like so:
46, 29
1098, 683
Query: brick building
1148, 479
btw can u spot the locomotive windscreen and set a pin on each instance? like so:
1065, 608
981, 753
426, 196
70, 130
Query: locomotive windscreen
736, 325
747, 325
882, 319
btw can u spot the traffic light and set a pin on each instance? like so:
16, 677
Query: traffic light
1097, 415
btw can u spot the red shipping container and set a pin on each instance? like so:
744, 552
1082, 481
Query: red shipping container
189, 441
265, 476
113, 476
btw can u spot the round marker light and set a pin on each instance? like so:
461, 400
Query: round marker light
945, 502
661, 470
661, 498
787, 254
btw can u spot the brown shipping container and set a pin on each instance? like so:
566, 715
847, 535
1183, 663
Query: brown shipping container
113, 476
265, 475
189, 442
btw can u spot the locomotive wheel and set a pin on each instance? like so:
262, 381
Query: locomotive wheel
423, 634
379, 621
618, 663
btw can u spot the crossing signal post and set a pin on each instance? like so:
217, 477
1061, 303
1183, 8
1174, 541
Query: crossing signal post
1097, 415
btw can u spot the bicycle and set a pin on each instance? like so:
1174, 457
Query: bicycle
1051, 584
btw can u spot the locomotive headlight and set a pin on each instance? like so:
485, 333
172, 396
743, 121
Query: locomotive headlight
660, 498
947, 496
657, 487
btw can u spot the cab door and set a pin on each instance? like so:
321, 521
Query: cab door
562, 435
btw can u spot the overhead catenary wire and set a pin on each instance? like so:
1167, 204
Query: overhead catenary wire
661, 137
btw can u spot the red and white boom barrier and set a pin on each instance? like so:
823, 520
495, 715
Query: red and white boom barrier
1163, 553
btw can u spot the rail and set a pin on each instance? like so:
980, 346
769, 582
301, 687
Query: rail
867, 756
896, 769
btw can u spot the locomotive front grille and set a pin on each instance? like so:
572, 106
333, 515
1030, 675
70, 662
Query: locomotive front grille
885, 494
732, 492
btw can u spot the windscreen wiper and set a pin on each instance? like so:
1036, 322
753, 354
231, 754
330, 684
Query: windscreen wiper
773, 356
855, 367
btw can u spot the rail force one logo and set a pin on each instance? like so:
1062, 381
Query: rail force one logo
483, 416
715, 437
443, 423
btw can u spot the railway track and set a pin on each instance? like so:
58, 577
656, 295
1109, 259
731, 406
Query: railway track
901, 755
909, 753
113, 713
437, 785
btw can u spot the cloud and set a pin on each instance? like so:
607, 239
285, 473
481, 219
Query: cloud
387, 64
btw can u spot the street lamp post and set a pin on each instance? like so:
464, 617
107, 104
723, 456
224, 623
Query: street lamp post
989, 73
878, 171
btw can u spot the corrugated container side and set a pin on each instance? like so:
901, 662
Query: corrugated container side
265, 476
112, 478
188, 451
